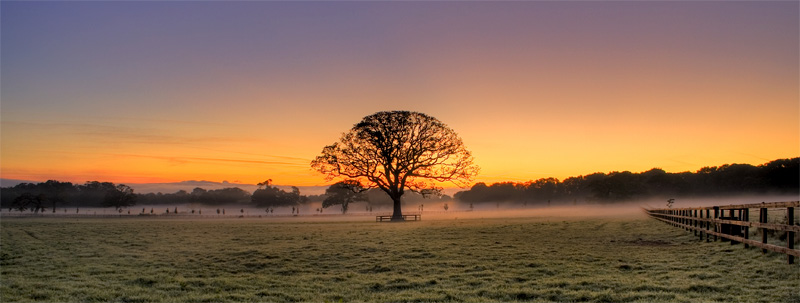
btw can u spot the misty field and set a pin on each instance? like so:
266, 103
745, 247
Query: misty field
601, 259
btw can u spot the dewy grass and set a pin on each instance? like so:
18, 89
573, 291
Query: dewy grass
477, 260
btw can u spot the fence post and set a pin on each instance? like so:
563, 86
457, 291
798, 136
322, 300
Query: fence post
746, 218
670, 218
763, 219
694, 215
701, 225
708, 224
790, 234
682, 220
716, 215
687, 221
674, 220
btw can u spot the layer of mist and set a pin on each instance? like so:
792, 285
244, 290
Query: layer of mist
429, 211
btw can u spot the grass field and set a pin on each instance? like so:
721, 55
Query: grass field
600, 259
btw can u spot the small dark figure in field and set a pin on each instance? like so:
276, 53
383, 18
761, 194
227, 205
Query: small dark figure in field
143, 210
446, 207
192, 211
471, 207
176, 210
670, 202
218, 211
77, 210
292, 209
167, 210
151, 211
200, 211
223, 211
242, 211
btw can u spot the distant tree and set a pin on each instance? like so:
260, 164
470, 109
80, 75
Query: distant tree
541, 190
230, 195
121, 196
619, 186
782, 175
94, 193
271, 196
29, 201
265, 183
57, 192
398, 151
343, 193
198, 195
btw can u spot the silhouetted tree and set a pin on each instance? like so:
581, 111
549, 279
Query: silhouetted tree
271, 196
28, 200
779, 177
121, 196
57, 192
398, 151
343, 193
94, 193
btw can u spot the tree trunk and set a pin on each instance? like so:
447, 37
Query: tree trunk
397, 215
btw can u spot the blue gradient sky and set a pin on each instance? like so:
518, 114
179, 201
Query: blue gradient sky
244, 91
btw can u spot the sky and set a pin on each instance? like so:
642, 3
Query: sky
169, 91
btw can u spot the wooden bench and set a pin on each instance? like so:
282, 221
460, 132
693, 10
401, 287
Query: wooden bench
416, 217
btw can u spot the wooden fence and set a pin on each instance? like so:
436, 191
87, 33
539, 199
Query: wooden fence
712, 221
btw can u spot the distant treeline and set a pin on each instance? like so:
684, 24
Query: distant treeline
53, 194
776, 177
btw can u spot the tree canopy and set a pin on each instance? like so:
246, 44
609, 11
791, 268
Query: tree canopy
343, 193
397, 151
119, 197
270, 196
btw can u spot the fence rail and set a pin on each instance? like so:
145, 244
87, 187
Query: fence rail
735, 227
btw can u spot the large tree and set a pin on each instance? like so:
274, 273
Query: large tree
398, 151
